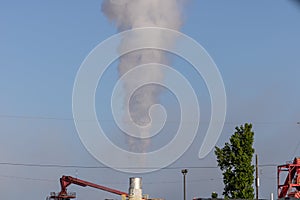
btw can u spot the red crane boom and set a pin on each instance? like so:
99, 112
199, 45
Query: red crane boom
65, 181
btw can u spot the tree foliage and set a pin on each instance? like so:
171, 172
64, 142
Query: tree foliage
235, 159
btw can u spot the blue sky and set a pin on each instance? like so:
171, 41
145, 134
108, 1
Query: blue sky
254, 43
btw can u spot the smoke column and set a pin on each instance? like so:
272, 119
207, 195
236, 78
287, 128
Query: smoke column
130, 14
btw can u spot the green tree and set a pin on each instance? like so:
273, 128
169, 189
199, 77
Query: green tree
214, 195
235, 159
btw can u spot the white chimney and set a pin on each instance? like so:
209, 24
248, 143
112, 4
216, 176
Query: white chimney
135, 188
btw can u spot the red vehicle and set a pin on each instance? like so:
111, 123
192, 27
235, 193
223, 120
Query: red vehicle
291, 185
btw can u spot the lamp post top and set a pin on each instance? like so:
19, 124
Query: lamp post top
184, 171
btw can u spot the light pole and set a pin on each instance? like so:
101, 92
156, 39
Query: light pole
257, 178
184, 172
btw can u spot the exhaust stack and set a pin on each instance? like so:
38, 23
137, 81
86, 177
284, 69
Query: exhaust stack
135, 189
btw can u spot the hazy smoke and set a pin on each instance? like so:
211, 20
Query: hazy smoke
129, 14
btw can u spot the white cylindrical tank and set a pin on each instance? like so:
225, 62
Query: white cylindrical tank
272, 196
135, 188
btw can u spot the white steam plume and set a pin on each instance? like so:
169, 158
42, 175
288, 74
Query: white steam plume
129, 14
